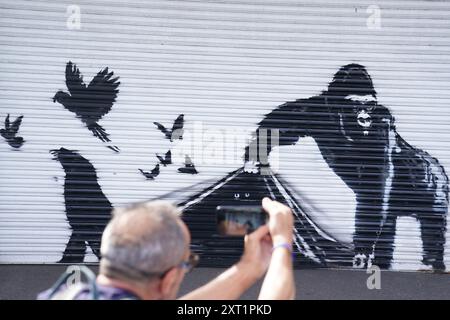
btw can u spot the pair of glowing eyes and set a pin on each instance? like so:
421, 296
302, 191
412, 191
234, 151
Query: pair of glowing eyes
238, 195
363, 107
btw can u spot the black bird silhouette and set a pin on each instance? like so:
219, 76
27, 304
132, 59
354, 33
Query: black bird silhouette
87, 208
89, 103
188, 166
152, 174
177, 128
10, 132
167, 158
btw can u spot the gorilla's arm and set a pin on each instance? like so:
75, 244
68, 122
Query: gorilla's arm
292, 120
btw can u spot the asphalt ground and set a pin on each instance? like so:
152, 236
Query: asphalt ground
26, 281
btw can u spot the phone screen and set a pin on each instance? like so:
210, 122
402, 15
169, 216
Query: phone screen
239, 220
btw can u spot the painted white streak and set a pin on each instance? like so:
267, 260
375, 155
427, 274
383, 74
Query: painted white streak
390, 175
342, 129
308, 253
204, 195
297, 237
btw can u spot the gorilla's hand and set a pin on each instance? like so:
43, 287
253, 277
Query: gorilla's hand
363, 261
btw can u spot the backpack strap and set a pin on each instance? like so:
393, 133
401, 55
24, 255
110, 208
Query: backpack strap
70, 293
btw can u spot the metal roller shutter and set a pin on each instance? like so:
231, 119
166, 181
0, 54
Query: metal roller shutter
357, 92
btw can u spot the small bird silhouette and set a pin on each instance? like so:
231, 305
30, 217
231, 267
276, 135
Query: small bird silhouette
167, 158
188, 166
90, 103
177, 128
10, 132
88, 210
152, 174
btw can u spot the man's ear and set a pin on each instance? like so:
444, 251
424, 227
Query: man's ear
168, 283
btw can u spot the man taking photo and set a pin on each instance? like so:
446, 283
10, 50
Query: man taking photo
146, 254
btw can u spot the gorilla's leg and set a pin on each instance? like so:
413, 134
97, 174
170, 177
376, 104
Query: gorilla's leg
75, 248
433, 228
367, 225
427, 194
384, 247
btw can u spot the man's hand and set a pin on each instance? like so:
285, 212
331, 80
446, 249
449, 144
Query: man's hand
257, 251
279, 281
258, 244
256, 260
281, 221
236, 280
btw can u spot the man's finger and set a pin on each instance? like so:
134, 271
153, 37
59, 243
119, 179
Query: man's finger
268, 204
272, 206
260, 232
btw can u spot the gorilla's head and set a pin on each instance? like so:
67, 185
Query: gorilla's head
351, 79
355, 100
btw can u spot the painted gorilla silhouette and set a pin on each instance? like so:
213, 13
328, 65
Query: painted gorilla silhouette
390, 178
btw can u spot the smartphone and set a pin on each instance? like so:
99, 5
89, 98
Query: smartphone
239, 220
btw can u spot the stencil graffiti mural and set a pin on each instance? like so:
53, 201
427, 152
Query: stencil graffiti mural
358, 140
87, 208
189, 167
90, 103
9, 132
172, 100
177, 129
176, 133
355, 135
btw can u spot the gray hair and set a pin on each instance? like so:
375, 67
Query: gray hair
142, 241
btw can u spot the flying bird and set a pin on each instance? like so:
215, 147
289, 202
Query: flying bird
188, 166
177, 128
88, 210
90, 103
10, 132
167, 158
152, 174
